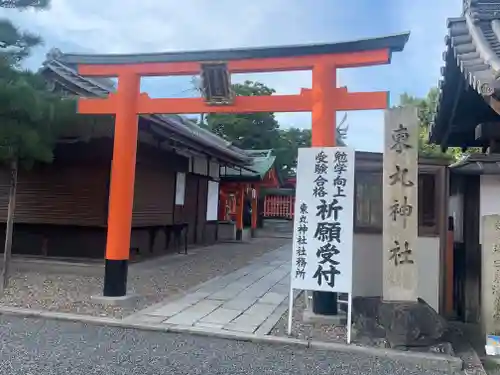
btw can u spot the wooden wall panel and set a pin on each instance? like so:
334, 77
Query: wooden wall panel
55, 194
153, 196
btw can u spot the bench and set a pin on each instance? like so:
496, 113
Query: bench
172, 231
177, 230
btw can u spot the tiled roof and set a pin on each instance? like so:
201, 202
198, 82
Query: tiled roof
473, 51
262, 162
180, 126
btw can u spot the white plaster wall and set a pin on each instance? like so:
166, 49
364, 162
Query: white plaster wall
367, 272
489, 199
200, 166
367, 265
455, 210
214, 170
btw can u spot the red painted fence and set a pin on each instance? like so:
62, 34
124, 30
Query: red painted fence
279, 206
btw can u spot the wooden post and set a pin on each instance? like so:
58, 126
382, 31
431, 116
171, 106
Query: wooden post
254, 211
449, 268
121, 196
240, 200
400, 202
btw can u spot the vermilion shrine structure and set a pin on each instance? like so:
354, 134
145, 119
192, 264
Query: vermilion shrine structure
215, 68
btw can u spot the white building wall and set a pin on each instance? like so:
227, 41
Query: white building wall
367, 267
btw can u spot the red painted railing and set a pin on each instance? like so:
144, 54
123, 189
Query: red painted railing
279, 206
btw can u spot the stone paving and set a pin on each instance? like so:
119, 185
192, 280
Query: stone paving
250, 300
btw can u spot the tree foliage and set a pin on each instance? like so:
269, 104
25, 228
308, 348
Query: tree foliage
247, 130
426, 112
260, 130
15, 44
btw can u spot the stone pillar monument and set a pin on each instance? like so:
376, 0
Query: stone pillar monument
400, 204
490, 275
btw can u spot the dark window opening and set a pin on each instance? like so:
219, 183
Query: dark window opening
427, 205
368, 204
368, 201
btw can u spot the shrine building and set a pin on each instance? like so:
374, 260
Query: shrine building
468, 117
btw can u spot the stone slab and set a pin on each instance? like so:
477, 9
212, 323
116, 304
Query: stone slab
272, 320
246, 328
272, 298
280, 289
309, 317
203, 308
127, 301
185, 319
230, 291
147, 319
247, 320
257, 290
171, 309
261, 310
194, 297
194, 313
221, 316
241, 302
211, 326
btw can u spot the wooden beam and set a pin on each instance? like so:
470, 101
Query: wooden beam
341, 60
354, 101
344, 101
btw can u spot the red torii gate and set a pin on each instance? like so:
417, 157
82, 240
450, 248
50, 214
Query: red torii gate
323, 100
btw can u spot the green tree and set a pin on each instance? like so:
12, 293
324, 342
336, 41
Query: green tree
291, 139
247, 130
426, 112
27, 112
15, 44
31, 120
261, 130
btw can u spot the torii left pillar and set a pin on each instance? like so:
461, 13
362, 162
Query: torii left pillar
121, 198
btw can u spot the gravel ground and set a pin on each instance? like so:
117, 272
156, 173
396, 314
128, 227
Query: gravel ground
318, 332
32, 346
153, 280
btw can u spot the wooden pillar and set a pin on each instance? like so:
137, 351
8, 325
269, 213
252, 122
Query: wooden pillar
323, 135
254, 211
240, 200
121, 195
323, 105
448, 267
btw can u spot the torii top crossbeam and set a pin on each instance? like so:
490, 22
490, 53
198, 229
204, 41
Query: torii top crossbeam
323, 100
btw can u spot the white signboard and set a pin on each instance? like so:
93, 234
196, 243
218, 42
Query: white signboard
323, 220
180, 188
212, 200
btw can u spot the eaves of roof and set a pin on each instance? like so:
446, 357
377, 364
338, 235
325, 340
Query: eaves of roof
258, 168
172, 123
472, 52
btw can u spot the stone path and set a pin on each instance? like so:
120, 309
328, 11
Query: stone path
251, 299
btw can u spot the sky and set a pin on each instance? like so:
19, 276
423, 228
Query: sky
130, 26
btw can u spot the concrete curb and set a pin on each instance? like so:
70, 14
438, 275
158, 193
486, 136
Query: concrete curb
423, 360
